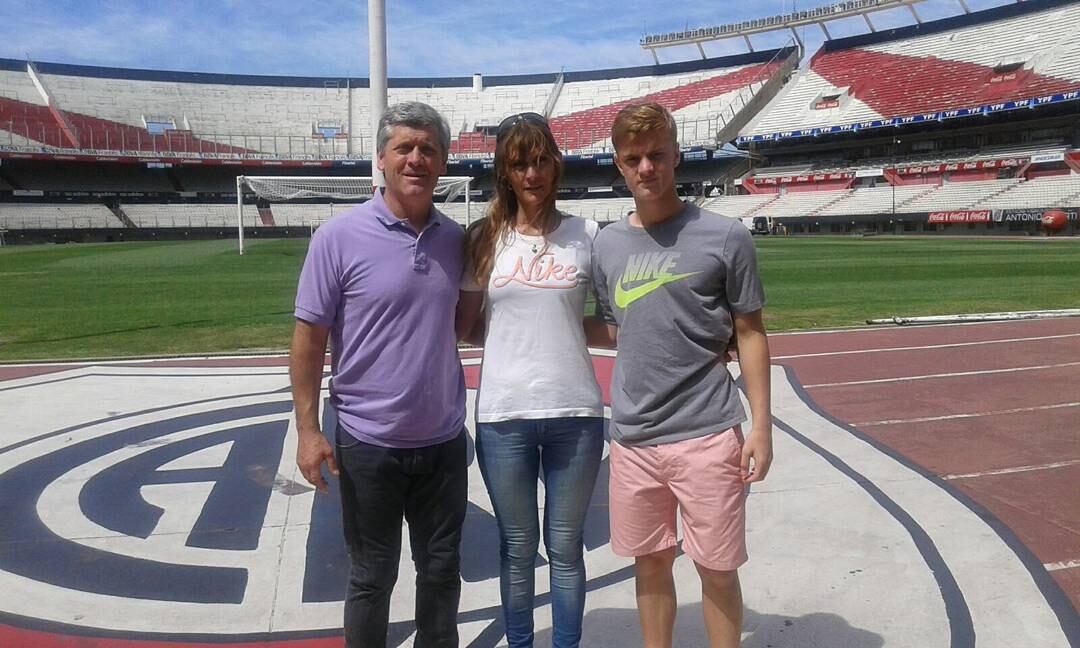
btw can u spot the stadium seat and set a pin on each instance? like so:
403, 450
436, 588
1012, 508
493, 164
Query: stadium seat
936, 71
1054, 191
56, 216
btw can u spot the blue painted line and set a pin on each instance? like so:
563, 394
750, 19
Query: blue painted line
961, 628
1051, 591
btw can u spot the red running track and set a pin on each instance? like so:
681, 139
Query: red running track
993, 408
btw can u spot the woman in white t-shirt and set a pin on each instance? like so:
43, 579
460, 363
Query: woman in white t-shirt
539, 410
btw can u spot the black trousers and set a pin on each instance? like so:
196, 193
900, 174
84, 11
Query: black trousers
429, 488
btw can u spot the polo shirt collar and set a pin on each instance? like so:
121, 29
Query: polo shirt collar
387, 217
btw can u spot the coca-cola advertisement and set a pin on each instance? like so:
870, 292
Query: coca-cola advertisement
960, 216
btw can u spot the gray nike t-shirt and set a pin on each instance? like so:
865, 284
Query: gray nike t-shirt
672, 289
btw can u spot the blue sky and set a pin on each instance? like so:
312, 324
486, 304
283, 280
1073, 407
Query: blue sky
425, 37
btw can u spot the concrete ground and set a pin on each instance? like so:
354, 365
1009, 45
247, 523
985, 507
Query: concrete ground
157, 503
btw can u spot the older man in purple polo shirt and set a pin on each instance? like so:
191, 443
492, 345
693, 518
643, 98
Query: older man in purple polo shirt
381, 283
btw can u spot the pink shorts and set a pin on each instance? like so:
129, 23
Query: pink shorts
700, 478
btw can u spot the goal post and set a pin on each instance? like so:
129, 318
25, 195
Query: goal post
279, 189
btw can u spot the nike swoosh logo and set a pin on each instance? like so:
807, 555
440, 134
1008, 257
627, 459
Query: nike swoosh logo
624, 297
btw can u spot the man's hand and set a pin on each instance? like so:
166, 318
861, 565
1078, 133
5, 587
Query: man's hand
306, 357
753, 350
756, 449
312, 449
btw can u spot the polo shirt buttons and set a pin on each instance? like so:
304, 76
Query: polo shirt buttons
420, 262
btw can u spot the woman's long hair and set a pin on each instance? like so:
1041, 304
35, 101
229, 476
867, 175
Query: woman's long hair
522, 142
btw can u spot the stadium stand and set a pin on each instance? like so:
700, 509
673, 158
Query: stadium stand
304, 215
603, 210
803, 168
1015, 193
1053, 191
952, 157
798, 203
737, 206
958, 195
20, 101
24, 119
874, 200
935, 66
693, 102
26, 124
56, 216
300, 214
845, 181
297, 118
189, 215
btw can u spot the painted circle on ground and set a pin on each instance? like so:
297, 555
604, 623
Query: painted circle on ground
190, 523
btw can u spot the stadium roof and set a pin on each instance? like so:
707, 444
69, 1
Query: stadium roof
744, 29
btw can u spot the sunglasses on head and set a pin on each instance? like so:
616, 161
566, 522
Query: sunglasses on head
513, 120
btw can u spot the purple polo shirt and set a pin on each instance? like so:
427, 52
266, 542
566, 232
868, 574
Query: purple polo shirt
388, 296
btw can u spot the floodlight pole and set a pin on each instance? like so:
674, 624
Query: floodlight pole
896, 176
468, 203
377, 77
240, 210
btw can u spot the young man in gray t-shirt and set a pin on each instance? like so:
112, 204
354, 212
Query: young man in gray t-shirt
676, 283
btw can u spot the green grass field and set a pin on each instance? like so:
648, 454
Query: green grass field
95, 300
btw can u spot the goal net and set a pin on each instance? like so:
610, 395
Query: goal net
285, 189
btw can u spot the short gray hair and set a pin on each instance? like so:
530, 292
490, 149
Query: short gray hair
414, 114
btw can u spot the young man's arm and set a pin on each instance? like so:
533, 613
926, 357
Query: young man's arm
754, 363
306, 357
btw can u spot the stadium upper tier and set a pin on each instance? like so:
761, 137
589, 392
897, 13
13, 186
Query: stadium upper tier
972, 64
1005, 193
18, 216
88, 108
1060, 191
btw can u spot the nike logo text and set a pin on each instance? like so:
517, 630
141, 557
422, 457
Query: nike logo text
653, 266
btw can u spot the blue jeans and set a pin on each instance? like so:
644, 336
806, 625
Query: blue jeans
511, 455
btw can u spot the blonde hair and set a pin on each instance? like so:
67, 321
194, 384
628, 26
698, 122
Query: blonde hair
522, 142
642, 117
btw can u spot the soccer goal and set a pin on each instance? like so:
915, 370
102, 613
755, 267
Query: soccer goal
283, 189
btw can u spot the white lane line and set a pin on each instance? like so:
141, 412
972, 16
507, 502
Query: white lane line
962, 416
148, 359
1065, 564
923, 348
873, 328
1017, 469
942, 375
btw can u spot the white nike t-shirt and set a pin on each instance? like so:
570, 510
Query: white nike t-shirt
535, 361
